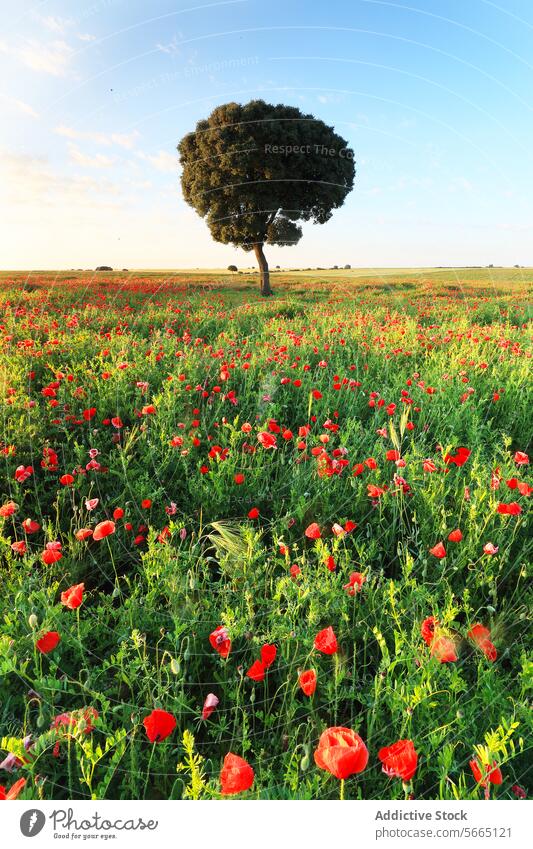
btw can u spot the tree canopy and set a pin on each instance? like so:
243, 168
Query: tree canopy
254, 171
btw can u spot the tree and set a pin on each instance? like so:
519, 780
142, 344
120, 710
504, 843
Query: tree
254, 171
232, 268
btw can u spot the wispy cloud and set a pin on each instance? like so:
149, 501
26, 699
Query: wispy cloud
50, 58
173, 47
58, 25
126, 140
32, 180
19, 105
96, 161
54, 23
162, 160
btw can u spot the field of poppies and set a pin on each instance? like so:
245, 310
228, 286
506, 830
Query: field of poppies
270, 549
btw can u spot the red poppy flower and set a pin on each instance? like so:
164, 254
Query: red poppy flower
66, 480
307, 681
22, 473
490, 548
443, 648
267, 440
521, 459
392, 454
104, 529
326, 641
211, 702
485, 774
83, 533
455, 536
52, 553
427, 629
268, 655
220, 641
330, 563
236, 775
118, 513
73, 597
355, 583
30, 526
253, 513
459, 458
80, 720
159, 725
8, 509
239, 478
375, 491
341, 752
13, 791
438, 550
19, 547
256, 671
399, 760
146, 503
312, 531
512, 509
481, 637
48, 642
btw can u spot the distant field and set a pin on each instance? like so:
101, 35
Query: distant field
286, 516
287, 283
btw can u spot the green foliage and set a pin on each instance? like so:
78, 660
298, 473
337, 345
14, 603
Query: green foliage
254, 171
140, 640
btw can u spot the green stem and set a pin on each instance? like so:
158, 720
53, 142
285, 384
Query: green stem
148, 770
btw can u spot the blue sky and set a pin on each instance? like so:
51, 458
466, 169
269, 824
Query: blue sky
433, 95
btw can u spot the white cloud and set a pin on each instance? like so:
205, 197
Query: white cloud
126, 140
162, 160
97, 161
172, 47
31, 180
54, 23
58, 25
19, 105
51, 58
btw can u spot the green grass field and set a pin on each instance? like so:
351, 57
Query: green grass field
215, 469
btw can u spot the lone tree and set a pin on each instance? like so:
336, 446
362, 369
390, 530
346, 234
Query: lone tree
255, 171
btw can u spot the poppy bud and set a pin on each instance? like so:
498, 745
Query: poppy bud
33, 621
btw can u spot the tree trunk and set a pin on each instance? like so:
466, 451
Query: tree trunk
266, 291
